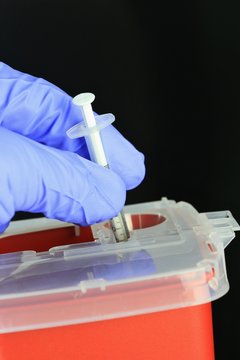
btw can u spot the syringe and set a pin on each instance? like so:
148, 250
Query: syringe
96, 150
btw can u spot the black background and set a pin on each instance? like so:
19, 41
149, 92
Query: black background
171, 77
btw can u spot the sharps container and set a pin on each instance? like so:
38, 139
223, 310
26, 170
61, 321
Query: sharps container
74, 293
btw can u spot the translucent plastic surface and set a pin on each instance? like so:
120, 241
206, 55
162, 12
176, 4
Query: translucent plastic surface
174, 258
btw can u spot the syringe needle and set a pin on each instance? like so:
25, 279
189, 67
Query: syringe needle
97, 154
119, 227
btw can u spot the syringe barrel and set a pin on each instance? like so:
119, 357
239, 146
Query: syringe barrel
94, 141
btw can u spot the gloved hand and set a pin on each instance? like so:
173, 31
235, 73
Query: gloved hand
42, 170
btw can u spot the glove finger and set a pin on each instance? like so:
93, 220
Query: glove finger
59, 184
37, 109
41, 111
123, 158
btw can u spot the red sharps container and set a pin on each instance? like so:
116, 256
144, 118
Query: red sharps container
75, 293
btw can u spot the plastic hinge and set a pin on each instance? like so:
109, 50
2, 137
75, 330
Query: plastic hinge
224, 224
223, 219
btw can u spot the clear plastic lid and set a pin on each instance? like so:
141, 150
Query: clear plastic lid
174, 258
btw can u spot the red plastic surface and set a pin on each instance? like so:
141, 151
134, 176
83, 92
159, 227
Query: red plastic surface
182, 334
44, 240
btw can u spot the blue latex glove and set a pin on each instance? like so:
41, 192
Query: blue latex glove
42, 170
